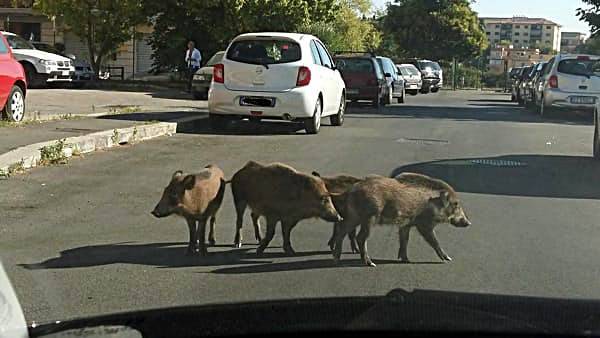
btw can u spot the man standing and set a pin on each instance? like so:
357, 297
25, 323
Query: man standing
192, 60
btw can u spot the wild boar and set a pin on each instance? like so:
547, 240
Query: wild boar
197, 198
409, 200
280, 194
339, 184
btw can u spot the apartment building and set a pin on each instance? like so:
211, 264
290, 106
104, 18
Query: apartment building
503, 58
523, 32
569, 41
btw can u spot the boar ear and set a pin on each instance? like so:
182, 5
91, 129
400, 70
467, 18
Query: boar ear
314, 173
189, 181
177, 174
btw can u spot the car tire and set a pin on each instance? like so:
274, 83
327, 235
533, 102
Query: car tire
389, 97
542, 109
14, 110
218, 122
34, 80
596, 135
377, 102
313, 124
413, 92
338, 119
401, 98
513, 98
424, 90
435, 89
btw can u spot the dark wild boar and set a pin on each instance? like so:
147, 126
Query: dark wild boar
197, 198
409, 200
339, 184
280, 194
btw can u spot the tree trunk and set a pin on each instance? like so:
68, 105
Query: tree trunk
91, 50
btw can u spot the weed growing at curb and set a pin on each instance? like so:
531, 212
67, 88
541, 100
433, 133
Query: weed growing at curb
53, 154
115, 137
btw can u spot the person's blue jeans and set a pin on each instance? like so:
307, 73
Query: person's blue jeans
191, 71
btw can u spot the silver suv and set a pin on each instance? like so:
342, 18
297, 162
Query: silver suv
569, 82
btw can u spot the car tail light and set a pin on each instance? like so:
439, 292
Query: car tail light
553, 81
303, 76
219, 73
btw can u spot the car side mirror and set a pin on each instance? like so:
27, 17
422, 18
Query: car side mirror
388, 75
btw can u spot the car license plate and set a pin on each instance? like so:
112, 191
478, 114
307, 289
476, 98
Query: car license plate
583, 100
65, 73
352, 91
412, 86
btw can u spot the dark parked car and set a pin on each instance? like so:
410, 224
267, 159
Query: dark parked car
431, 73
532, 84
363, 76
513, 75
395, 81
519, 84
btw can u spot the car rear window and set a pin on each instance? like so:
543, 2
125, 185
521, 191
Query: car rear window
429, 64
579, 67
355, 65
262, 51
409, 70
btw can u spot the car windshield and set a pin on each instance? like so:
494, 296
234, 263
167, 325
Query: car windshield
17, 42
354, 65
215, 59
260, 167
46, 48
264, 51
585, 67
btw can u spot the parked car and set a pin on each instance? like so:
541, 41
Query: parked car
363, 76
203, 77
412, 78
529, 94
596, 142
395, 89
277, 76
518, 84
570, 82
40, 67
525, 84
431, 74
13, 84
514, 76
83, 69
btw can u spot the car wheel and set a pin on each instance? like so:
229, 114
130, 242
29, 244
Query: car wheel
30, 74
218, 122
377, 102
15, 105
542, 107
389, 97
424, 90
435, 90
401, 98
313, 124
338, 119
596, 135
513, 98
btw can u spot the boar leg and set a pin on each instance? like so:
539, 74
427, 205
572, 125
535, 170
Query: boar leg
271, 223
201, 234
351, 237
240, 208
211, 231
429, 235
363, 235
193, 241
343, 228
403, 235
286, 228
256, 224
331, 242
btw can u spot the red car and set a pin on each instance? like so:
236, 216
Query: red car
363, 77
12, 84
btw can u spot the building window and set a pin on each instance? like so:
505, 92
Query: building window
547, 34
547, 41
548, 27
526, 26
526, 34
496, 33
497, 26
516, 41
487, 33
496, 41
525, 41
517, 26
517, 33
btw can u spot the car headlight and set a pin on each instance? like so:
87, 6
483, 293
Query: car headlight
48, 62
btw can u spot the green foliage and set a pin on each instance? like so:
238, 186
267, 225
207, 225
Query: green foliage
436, 29
53, 154
103, 25
591, 15
591, 46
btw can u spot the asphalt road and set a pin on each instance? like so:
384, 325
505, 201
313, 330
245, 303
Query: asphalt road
79, 239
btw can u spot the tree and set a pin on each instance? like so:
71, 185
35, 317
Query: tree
212, 24
591, 15
103, 25
436, 29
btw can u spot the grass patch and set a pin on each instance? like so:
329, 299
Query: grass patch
123, 109
115, 137
53, 154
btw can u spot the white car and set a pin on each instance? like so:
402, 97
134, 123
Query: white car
277, 76
569, 82
412, 78
40, 67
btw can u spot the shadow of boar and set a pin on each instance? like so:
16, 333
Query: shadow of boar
407, 201
197, 198
280, 194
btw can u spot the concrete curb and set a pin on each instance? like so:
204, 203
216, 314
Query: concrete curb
29, 156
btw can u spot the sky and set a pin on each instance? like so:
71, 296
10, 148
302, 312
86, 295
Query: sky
562, 12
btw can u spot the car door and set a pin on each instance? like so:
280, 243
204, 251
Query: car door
7, 73
330, 84
398, 80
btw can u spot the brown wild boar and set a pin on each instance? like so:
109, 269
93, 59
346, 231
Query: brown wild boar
197, 198
279, 193
409, 200
340, 184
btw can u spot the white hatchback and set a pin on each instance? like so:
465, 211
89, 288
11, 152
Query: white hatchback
277, 76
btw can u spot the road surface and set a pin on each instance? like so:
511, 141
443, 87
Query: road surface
79, 240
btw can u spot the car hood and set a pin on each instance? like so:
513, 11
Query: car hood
418, 311
39, 54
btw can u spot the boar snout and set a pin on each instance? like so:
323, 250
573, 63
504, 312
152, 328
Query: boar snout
331, 215
159, 213
460, 222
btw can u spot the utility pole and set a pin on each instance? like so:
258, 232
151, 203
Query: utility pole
454, 68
